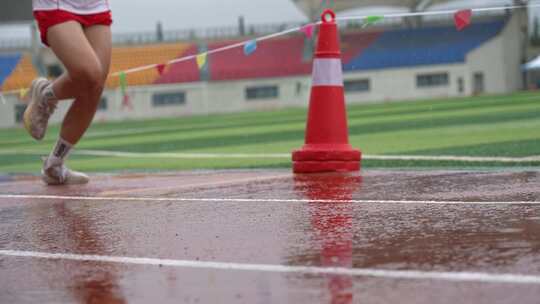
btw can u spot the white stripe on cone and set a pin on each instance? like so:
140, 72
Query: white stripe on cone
327, 72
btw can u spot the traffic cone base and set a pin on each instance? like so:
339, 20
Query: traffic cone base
325, 166
327, 155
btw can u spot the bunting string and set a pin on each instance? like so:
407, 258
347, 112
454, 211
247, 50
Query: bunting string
442, 12
250, 46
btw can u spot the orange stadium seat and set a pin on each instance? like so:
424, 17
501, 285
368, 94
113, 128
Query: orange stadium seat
124, 58
22, 75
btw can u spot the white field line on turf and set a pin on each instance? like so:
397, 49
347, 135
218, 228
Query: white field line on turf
357, 272
251, 200
278, 156
455, 158
181, 155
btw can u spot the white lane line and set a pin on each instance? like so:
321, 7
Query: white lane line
253, 200
358, 272
455, 158
173, 155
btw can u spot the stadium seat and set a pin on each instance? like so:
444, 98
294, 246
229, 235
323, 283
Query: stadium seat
16, 71
423, 46
127, 57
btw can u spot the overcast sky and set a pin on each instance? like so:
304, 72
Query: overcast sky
142, 15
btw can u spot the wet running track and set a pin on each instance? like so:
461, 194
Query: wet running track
272, 237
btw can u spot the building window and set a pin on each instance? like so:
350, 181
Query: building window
432, 80
461, 85
356, 86
168, 99
479, 85
103, 104
19, 112
262, 92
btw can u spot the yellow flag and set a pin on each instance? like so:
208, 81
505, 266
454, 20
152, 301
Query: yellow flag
22, 93
201, 60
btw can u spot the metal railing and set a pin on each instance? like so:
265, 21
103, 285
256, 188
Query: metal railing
216, 33
14, 44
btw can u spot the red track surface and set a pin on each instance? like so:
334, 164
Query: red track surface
269, 223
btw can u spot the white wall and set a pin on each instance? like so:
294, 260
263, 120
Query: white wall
7, 111
201, 99
400, 84
229, 96
204, 98
499, 60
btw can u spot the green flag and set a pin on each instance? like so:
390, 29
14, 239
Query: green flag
370, 20
123, 83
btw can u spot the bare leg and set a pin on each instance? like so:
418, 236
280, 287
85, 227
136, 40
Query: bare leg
86, 73
99, 37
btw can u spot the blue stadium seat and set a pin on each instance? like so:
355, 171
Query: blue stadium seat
7, 65
423, 46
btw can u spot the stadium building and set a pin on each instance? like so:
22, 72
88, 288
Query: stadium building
392, 61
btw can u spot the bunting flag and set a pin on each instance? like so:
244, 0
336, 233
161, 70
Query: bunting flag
161, 68
201, 60
308, 30
22, 93
250, 47
123, 83
370, 20
126, 103
463, 19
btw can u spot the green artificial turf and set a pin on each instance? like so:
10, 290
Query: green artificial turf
486, 126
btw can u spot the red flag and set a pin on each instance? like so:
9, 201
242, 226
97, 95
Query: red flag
160, 68
308, 30
126, 102
463, 19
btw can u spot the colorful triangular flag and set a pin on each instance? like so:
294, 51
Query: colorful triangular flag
123, 82
370, 20
463, 19
250, 47
22, 93
201, 60
160, 68
126, 103
308, 30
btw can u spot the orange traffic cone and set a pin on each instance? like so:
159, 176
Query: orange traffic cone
327, 147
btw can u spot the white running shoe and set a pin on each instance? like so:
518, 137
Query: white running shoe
37, 114
56, 175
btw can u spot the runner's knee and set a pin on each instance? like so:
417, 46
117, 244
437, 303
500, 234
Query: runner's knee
89, 76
